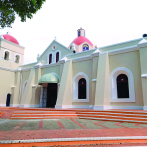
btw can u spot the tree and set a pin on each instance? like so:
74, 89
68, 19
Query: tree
23, 8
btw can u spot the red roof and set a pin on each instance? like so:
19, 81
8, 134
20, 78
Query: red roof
10, 38
81, 39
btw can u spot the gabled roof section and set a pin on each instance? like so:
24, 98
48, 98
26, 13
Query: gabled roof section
54, 41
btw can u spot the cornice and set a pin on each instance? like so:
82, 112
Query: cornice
82, 58
12, 43
7, 69
50, 65
123, 50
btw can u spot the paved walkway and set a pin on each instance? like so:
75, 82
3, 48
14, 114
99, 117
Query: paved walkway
67, 128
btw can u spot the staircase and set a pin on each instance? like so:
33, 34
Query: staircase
132, 116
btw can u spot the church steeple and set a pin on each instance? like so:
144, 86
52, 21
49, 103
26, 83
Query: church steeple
81, 32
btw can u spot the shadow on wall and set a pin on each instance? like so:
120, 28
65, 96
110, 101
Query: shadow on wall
37, 95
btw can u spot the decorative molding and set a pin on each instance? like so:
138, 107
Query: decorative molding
94, 80
96, 53
3, 105
63, 60
144, 75
74, 106
76, 78
127, 107
117, 71
81, 52
104, 107
29, 64
142, 45
120, 43
38, 65
12, 43
3, 68
29, 105
50, 65
26, 69
117, 107
144, 107
14, 105
82, 58
63, 106
123, 50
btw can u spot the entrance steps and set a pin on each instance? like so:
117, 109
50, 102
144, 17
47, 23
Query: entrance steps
132, 116
43, 114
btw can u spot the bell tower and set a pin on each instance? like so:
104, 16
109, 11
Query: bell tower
81, 32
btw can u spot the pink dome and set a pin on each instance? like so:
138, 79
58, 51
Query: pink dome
81, 39
10, 38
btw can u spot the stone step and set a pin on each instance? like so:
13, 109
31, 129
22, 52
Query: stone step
114, 117
43, 112
116, 120
43, 117
113, 111
114, 114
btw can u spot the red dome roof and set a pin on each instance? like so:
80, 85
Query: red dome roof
81, 39
10, 38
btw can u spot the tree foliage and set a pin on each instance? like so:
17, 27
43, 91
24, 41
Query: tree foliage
23, 8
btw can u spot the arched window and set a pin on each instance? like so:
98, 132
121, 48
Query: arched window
50, 58
17, 59
6, 55
82, 89
122, 86
57, 57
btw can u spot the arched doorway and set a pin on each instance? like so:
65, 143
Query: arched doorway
49, 90
122, 86
51, 95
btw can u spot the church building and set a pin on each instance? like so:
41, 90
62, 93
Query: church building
78, 76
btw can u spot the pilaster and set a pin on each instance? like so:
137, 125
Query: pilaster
102, 95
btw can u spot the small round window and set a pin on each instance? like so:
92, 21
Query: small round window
54, 47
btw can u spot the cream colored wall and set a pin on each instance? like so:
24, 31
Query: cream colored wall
143, 60
65, 89
130, 60
95, 65
55, 69
25, 76
13, 49
6, 81
85, 67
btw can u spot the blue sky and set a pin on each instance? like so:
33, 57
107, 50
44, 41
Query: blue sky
105, 22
